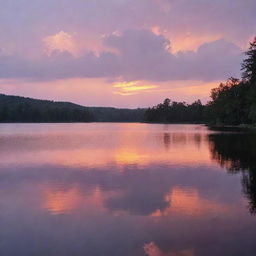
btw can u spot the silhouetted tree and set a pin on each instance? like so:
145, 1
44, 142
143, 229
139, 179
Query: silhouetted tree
229, 103
234, 102
249, 64
175, 112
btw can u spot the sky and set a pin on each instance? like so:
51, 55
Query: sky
122, 53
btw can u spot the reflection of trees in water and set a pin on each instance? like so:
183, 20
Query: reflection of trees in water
237, 153
181, 139
167, 140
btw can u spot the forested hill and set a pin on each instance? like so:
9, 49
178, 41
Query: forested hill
108, 114
21, 109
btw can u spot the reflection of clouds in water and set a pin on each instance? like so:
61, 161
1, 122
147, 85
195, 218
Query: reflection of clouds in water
67, 201
151, 249
189, 202
61, 199
152, 191
59, 202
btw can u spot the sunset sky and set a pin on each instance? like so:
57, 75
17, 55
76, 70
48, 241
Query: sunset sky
122, 53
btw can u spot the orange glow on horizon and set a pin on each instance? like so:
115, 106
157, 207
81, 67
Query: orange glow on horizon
103, 93
130, 88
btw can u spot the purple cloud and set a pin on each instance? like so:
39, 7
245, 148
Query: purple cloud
24, 23
138, 55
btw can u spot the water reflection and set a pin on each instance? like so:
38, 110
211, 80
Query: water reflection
125, 189
85, 147
237, 153
151, 249
167, 140
187, 201
60, 202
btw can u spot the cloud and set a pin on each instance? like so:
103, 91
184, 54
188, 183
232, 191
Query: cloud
145, 55
62, 42
233, 20
138, 55
209, 29
23, 22
142, 54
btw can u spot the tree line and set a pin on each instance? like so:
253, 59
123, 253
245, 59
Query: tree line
21, 109
232, 102
24, 110
176, 112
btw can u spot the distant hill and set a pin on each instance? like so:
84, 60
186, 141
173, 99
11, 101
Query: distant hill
22, 109
107, 114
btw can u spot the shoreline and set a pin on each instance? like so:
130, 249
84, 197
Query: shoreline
240, 127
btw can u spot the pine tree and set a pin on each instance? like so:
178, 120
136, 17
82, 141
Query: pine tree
249, 64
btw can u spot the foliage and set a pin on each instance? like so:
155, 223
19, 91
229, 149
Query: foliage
175, 112
249, 64
229, 103
21, 109
105, 114
234, 102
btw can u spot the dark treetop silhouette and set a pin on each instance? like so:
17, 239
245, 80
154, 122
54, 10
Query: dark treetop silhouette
20, 109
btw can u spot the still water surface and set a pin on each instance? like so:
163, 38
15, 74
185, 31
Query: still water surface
106, 189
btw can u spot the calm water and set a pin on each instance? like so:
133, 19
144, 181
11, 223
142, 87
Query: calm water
126, 190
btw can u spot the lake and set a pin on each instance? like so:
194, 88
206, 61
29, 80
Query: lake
126, 189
